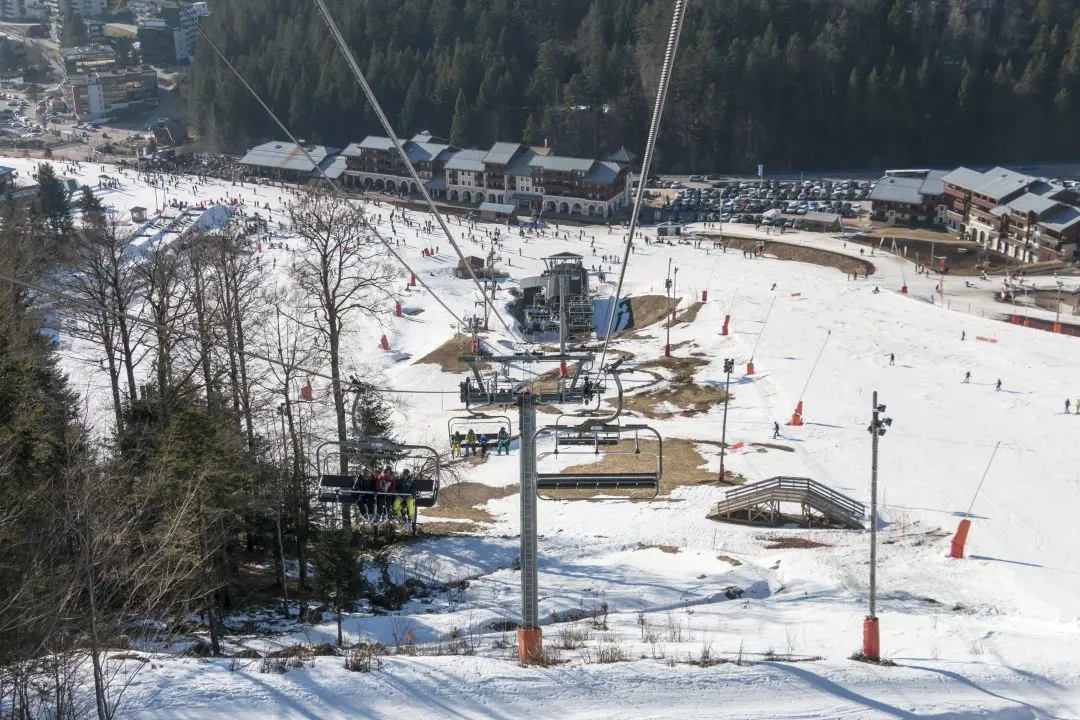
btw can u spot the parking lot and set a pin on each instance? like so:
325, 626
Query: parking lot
701, 199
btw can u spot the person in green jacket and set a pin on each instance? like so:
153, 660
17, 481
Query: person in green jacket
504, 442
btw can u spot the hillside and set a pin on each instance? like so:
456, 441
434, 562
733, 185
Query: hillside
794, 85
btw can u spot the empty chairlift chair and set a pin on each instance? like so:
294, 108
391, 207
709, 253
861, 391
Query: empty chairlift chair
640, 475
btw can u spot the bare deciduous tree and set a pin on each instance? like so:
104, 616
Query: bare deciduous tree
343, 269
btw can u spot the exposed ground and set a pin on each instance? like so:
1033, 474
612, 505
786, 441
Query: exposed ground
815, 256
682, 392
464, 501
648, 309
683, 464
446, 355
689, 315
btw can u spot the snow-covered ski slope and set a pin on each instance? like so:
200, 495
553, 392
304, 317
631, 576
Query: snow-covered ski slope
994, 635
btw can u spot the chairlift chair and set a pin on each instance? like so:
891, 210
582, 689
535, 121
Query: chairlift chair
363, 458
647, 478
463, 423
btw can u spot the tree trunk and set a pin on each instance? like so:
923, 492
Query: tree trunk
334, 337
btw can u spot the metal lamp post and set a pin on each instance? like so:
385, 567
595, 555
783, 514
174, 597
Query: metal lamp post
667, 290
729, 366
871, 637
1057, 308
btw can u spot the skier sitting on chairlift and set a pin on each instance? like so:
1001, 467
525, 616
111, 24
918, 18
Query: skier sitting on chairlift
455, 444
470, 442
587, 391
404, 485
483, 444
385, 484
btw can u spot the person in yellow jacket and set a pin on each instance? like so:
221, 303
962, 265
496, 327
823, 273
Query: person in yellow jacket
405, 496
470, 441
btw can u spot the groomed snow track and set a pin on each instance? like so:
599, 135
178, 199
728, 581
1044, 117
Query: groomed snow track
759, 503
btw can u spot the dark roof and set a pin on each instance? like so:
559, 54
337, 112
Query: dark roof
897, 189
564, 256
1064, 218
622, 155
603, 171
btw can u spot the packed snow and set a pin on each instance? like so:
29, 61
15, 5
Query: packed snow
659, 584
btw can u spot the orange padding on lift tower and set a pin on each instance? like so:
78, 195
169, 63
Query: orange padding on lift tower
738, 446
796, 417
871, 640
530, 644
749, 368
986, 339
384, 343
959, 539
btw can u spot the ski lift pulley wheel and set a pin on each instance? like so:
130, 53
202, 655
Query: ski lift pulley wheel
647, 479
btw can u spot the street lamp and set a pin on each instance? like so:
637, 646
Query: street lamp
667, 290
729, 366
1057, 308
871, 638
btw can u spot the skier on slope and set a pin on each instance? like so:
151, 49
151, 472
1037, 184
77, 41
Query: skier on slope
1066, 406
775, 430
967, 376
998, 384
892, 358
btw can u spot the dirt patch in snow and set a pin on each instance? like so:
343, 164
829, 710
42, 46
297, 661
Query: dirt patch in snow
800, 253
683, 466
683, 393
446, 355
729, 560
449, 528
465, 501
689, 315
669, 549
791, 543
764, 447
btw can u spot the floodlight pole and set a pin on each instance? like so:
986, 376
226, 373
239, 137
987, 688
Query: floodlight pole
530, 636
667, 290
871, 636
729, 365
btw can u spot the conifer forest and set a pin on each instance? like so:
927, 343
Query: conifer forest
817, 84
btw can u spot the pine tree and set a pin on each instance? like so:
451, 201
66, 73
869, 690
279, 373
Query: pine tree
93, 212
338, 579
52, 203
459, 128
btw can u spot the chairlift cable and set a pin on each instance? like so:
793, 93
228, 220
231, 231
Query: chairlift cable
322, 173
650, 144
180, 334
339, 39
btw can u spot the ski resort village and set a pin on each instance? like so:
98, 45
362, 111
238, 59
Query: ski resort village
503, 425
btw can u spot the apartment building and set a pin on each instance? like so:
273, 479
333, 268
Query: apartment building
909, 197
1026, 218
96, 95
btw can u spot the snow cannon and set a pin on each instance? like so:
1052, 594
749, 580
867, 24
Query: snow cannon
750, 368
796, 417
959, 539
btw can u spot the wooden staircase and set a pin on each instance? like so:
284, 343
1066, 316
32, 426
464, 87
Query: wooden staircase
759, 503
